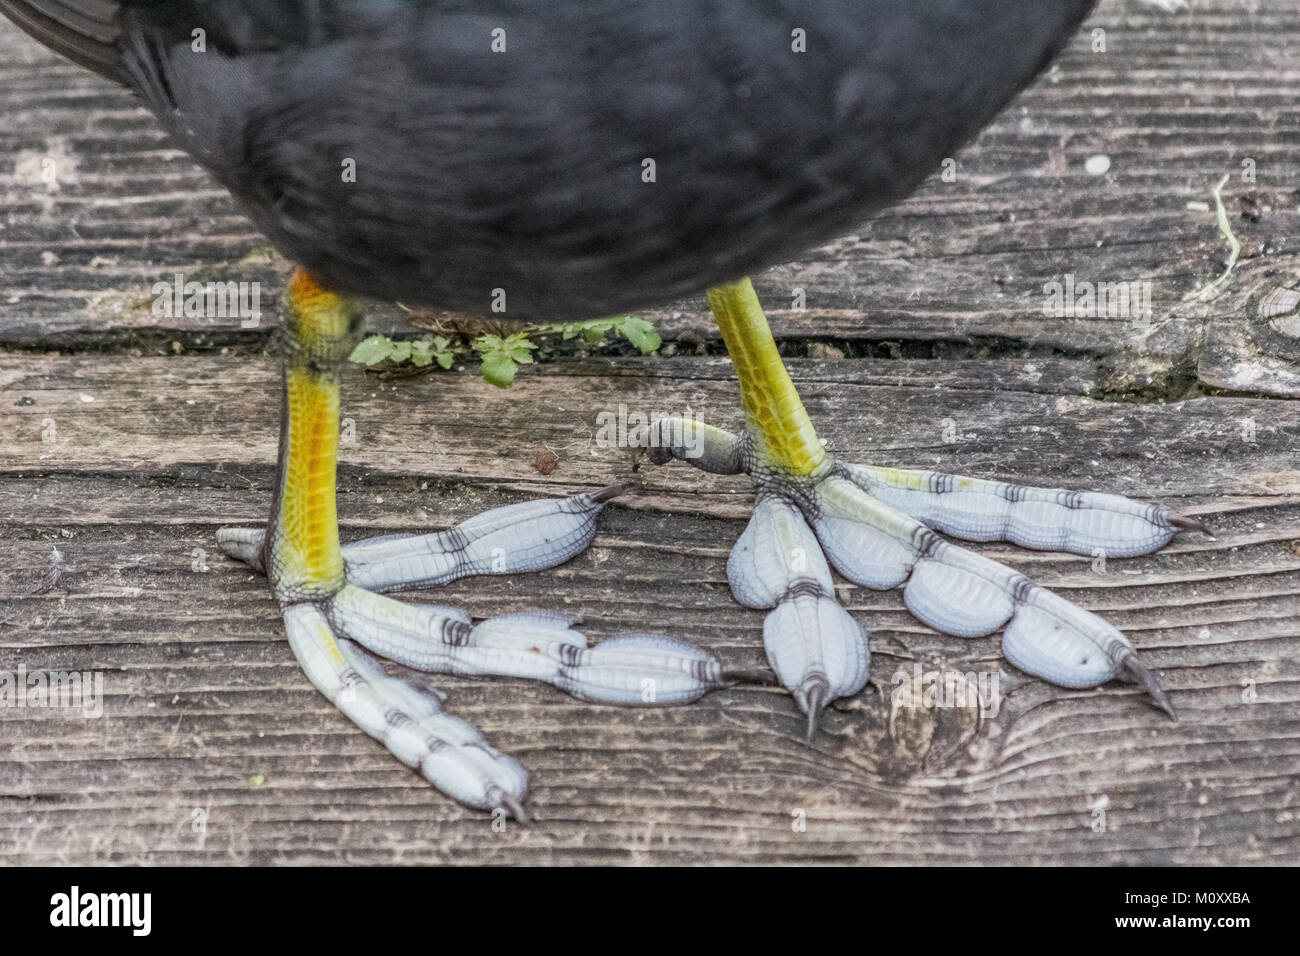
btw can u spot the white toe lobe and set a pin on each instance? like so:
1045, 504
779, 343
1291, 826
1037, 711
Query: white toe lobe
957, 596
866, 540
776, 551
1046, 519
450, 754
515, 539
809, 637
1063, 643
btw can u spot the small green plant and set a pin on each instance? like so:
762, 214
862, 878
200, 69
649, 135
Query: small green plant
502, 356
378, 349
499, 355
639, 332
1211, 288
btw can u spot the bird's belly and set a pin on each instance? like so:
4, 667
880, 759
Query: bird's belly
596, 163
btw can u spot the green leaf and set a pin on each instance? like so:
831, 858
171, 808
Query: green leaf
519, 348
442, 351
373, 350
593, 330
499, 369
639, 332
643, 335
380, 349
488, 343
422, 353
499, 365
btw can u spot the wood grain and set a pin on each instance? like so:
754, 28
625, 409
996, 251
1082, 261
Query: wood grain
126, 440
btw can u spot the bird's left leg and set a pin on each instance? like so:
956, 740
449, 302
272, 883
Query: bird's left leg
332, 610
876, 527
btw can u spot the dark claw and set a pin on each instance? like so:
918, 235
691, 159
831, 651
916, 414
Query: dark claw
814, 701
516, 808
608, 493
249, 552
638, 441
1189, 524
1139, 674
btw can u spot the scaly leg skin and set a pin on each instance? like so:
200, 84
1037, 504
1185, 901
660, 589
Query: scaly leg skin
877, 527
332, 609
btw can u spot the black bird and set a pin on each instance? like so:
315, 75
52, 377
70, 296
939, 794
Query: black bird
566, 160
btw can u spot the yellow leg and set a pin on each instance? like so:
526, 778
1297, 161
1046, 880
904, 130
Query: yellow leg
775, 418
302, 553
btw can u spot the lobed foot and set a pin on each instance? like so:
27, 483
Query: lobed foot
877, 527
331, 635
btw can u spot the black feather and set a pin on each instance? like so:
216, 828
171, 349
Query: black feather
523, 170
85, 31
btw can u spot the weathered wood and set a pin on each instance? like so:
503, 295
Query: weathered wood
204, 697
126, 456
154, 414
210, 697
1175, 103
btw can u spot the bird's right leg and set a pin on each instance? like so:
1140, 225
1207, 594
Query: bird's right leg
332, 611
877, 528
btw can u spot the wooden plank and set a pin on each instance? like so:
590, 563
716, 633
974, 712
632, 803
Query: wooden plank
1256, 349
204, 698
1175, 102
211, 699
149, 414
